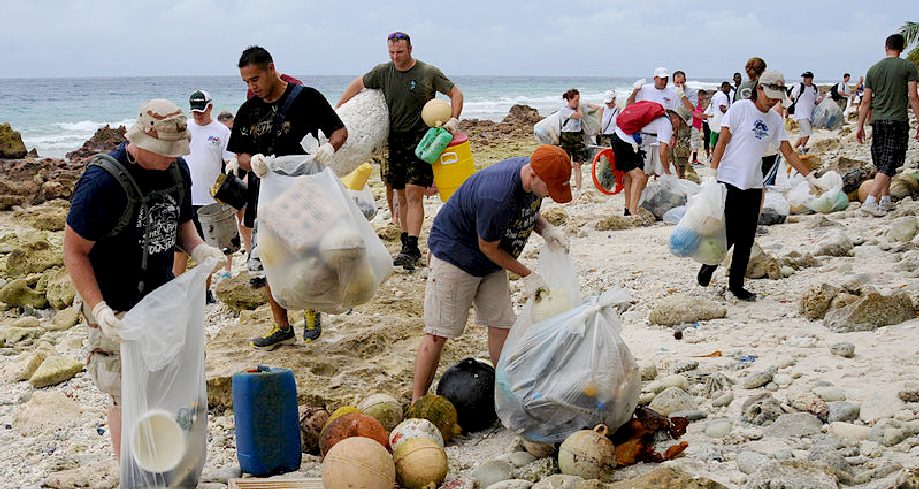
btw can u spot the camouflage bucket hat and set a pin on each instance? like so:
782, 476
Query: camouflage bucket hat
161, 128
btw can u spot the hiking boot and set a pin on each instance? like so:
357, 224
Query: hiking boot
312, 325
209, 297
410, 254
705, 275
873, 209
275, 338
743, 294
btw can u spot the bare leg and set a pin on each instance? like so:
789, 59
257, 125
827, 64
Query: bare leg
881, 186
393, 203
415, 209
627, 188
426, 361
114, 427
577, 176
278, 312
496, 338
639, 180
402, 209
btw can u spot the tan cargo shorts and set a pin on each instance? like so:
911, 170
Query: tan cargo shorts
103, 365
450, 291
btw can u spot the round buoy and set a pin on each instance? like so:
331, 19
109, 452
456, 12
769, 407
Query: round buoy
588, 454
470, 386
341, 412
438, 410
311, 423
413, 428
358, 462
384, 407
597, 170
436, 112
350, 426
420, 463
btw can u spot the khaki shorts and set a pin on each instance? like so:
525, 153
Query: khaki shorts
104, 363
695, 138
804, 127
449, 293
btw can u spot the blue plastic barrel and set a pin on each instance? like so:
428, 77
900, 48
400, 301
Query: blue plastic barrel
267, 428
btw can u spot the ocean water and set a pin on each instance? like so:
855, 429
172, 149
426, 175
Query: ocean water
56, 115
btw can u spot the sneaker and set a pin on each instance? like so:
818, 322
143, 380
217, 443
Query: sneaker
275, 338
873, 209
312, 325
743, 294
886, 206
705, 275
257, 281
209, 297
224, 275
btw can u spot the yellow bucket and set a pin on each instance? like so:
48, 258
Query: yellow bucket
454, 166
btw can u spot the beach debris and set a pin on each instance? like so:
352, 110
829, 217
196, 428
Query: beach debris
685, 309
634, 441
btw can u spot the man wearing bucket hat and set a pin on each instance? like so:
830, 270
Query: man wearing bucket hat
475, 240
129, 210
207, 152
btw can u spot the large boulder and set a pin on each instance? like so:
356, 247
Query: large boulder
104, 140
51, 216
816, 301
761, 264
903, 229
33, 257
54, 370
21, 293
834, 243
65, 319
239, 295
45, 413
58, 288
23, 182
870, 312
684, 309
11, 145
521, 114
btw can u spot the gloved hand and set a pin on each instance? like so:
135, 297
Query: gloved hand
532, 283
232, 166
259, 165
324, 154
106, 319
680, 91
452, 125
204, 251
555, 238
637, 85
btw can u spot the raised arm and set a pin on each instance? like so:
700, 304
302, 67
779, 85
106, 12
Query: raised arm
353, 89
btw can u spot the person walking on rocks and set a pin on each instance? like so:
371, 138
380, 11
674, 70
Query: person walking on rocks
273, 123
571, 137
890, 89
806, 97
842, 93
748, 127
608, 119
475, 240
407, 84
130, 209
207, 152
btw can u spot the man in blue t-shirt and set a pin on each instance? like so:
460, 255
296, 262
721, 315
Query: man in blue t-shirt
114, 262
475, 240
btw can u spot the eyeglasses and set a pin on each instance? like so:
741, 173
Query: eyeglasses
773, 86
399, 36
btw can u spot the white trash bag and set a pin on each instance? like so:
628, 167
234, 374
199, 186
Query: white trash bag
164, 400
828, 115
665, 193
564, 366
701, 233
318, 250
548, 129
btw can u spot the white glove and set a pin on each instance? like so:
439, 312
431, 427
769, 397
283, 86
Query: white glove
680, 91
452, 125
259, 165
533, 283
555, 238
204, 251
637, 85
232, 166
106, 319
324, 154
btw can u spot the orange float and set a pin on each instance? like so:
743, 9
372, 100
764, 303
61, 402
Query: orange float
618, 175
350, 426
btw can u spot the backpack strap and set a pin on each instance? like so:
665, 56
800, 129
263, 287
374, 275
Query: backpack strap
281, 115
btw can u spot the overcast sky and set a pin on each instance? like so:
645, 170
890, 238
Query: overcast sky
510, 37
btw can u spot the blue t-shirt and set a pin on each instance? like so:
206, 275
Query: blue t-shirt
97, 205
491, 204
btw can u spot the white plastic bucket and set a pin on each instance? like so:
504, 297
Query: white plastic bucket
218, 224
157, 441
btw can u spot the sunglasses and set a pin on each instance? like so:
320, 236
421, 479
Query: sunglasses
398, 36
773, 86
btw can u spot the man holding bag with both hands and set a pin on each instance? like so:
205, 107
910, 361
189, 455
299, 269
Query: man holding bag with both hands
475, 240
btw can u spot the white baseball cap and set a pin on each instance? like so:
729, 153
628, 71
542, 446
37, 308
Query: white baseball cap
609, 96
661, 72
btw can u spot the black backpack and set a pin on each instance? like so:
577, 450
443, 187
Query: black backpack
137, 197
834, 92
791, 108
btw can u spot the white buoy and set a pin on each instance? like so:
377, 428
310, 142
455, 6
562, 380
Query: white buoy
367, 120
157, 441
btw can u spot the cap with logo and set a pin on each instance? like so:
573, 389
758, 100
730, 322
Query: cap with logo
661, 72
161, 128
609, 96
553, 166
773, 83
199, 101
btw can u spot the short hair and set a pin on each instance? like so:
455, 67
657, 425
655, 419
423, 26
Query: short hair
895, 42
845, 75
736, 73
756, 65
570, 94
725, 83
399, 36
678, 72
225, 116
255, 55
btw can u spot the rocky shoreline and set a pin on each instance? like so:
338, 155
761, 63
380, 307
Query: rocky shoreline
815, 385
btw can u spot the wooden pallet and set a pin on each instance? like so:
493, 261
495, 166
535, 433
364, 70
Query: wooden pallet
256, 483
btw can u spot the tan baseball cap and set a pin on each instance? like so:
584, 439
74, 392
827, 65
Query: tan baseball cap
161, 128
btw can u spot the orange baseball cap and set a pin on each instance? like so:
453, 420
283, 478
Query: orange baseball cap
553, 166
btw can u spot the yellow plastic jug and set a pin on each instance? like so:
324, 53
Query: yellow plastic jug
357, 178
454, 166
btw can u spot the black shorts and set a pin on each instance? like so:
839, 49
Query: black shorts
889, 140
403, 167
627, 159
605, 140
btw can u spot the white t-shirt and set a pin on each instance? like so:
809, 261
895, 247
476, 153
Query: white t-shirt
208, 149
666, 96
660, 129
843, 89
805, 103
573, 125
718, 99
608, 123
751, 133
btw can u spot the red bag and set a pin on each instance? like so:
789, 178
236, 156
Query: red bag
639, 115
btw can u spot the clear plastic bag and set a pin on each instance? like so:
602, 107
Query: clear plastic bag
365, 202
665, 193
828, 115
701, 234
674, 215
568, 371
775, 209
548, 129
590, 121
164, 401
318, 250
